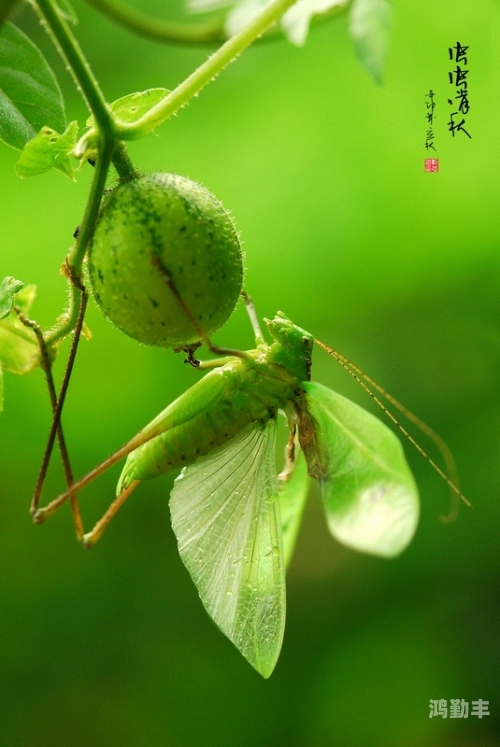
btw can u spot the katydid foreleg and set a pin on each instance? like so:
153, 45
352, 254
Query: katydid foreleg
259, 339
190, 316
254, 321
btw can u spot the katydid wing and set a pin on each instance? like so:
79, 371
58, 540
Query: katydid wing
225, 506
226, 503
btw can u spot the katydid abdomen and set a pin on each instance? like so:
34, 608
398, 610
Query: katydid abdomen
243, 391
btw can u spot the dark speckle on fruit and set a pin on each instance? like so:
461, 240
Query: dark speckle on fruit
195, 240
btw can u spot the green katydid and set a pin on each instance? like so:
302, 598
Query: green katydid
234, 519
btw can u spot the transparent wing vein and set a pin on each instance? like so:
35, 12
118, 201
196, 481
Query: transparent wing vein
225, 515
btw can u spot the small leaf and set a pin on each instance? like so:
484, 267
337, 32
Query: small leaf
19, 351
30, 97
369, 28
243, 13
25, 298
8, 289
47, 150
296, 21
130, 108
369, 494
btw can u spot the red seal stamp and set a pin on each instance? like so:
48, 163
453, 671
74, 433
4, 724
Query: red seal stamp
431, 164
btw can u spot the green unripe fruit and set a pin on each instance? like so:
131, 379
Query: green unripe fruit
158, 236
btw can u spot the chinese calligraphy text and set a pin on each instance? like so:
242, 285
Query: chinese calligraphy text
458, 79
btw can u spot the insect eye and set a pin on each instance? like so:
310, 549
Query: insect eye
306, 342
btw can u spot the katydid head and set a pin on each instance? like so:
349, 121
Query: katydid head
292, 346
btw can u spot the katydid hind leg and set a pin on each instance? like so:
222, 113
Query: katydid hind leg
91, 538
56, 426
44, 513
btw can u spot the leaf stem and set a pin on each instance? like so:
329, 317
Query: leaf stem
155, 28
197, 34
70, 50
108, 150
205, 73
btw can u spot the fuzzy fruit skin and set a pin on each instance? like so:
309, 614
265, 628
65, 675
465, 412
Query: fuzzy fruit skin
178, 222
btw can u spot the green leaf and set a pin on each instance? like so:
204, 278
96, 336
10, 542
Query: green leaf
47, 150
8, 289
30, 97
19, 351
292, 498
130, 108
369, 28
369, 494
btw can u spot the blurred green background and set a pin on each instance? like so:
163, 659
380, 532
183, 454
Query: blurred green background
397, 269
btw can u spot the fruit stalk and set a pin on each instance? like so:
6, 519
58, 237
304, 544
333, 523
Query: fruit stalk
158, 29
77, 254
